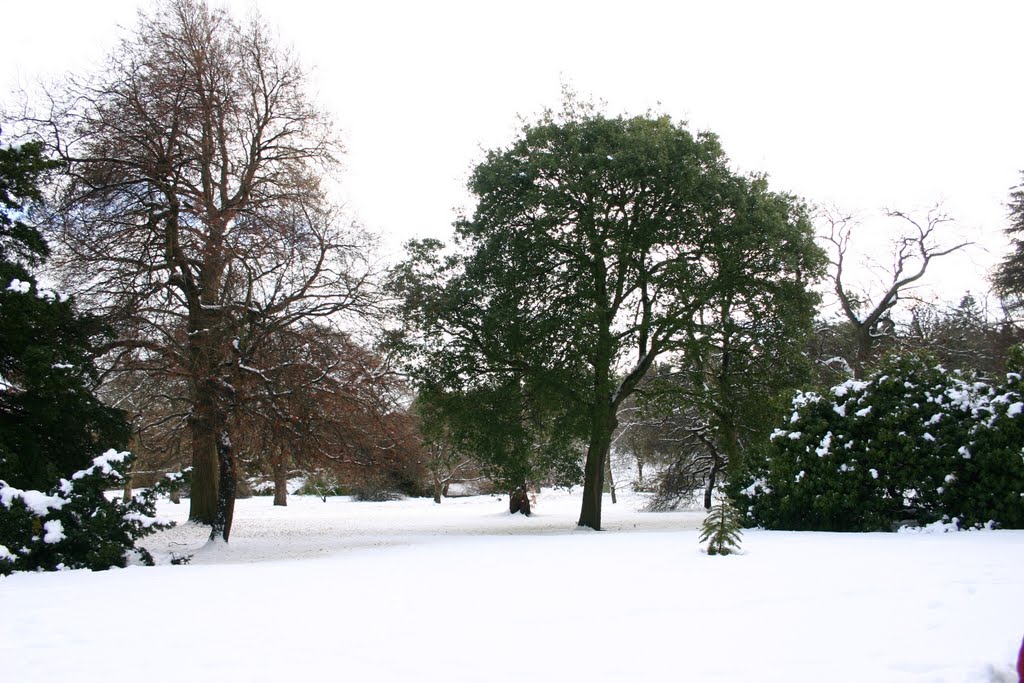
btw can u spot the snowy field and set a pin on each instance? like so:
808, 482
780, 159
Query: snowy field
464, 592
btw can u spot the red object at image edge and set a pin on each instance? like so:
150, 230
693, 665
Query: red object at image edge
1020, 663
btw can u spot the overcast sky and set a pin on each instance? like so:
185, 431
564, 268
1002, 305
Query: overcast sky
861, 105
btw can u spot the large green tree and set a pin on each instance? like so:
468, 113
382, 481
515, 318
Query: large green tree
51, 423
588, 256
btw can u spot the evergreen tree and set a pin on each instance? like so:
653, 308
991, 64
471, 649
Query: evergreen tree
593, 249
51, 422
1009, 276
722, 529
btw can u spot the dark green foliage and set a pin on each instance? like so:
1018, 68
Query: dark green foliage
722, 529
911, 443
49, 414
518, 432
20, 171
50, 419
75, 525
742, 352
1009, 276
595, 247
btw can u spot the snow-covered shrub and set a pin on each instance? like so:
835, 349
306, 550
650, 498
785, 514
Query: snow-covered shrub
75, 525
913, 442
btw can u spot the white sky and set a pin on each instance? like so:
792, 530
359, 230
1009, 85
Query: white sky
865, 105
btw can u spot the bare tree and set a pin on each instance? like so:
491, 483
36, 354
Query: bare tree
975, 335
913, 250
318, 401
193, 216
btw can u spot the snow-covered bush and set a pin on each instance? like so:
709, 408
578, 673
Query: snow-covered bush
912, 443
75, 525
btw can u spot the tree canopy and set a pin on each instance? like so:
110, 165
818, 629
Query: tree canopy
592, 251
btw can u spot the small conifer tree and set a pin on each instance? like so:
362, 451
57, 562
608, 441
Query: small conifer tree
721, 530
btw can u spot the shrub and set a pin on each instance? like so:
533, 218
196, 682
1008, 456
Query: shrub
323, 485
365, 494
911, 443
375, 490
75, 525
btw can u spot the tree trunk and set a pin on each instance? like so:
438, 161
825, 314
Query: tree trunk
126, 495
206, 423
712, 477
519, 501
602, 424
280, 484
208, 345
593, 482
864, 344
437, 490
611, 479
203, 498
221, 526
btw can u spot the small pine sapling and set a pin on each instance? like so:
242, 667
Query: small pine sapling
721, 530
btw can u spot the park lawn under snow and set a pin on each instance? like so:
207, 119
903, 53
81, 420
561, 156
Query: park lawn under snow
463, 591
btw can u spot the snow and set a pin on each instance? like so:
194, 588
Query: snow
465, 592
849, 386
1015, 409
826, 443
39, 503
105, 463
54, 531
19, 286
144, 520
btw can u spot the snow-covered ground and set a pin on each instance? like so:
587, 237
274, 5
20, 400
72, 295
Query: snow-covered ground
412, 591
